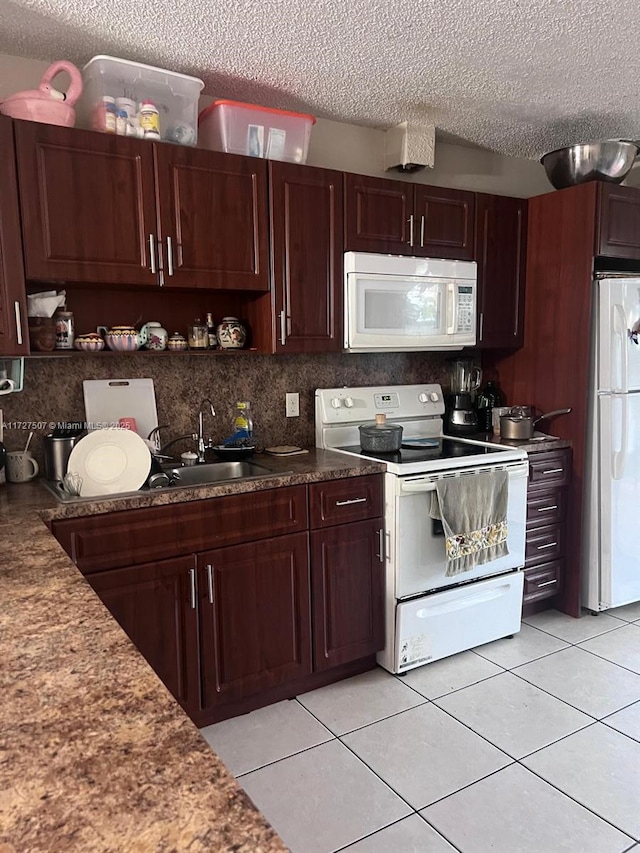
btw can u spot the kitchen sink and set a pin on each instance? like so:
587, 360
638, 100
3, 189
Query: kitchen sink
183, 476
214, 472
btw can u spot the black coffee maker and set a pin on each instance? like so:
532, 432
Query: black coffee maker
460, 417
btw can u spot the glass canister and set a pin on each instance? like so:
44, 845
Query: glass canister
64, 329
197, 335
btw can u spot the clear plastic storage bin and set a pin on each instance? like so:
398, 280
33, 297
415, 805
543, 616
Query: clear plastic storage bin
257, 131
139, 100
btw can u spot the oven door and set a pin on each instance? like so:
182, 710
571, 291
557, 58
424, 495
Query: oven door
417, 546
387, 312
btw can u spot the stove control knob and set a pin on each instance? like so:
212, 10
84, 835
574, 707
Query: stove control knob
336, 402
433, 396
423, 398
348, 401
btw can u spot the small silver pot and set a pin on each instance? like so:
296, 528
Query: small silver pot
519, 427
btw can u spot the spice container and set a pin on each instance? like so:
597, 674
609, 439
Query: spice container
149, 118
380, 437
197, 335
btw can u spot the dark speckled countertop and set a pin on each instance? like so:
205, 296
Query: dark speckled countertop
95, 754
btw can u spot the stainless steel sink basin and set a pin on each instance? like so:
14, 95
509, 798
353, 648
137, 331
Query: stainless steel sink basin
214, 472
183, 477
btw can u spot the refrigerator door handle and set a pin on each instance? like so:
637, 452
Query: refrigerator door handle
618, 457
619, 334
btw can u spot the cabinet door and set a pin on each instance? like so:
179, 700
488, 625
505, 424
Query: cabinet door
378, 215
155, 604
444, 223
501, 235
14, 338
348, 593
255, 617
618, 223
213, 214
88, 205
307, 257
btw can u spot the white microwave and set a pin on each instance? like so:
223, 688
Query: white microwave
395, 304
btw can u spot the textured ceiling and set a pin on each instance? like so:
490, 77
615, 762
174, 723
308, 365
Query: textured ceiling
517, 77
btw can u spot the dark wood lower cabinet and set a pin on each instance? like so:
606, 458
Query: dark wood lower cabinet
255, 617
154, 605
348, 593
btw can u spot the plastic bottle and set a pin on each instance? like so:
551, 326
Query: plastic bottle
243, 420
149, 118
104, 114
121, 123
489, 396
211, 332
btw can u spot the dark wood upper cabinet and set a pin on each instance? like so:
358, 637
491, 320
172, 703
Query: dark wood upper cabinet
378, 215
444, 223
307, 257
255, 617
213, 218
88, 205
618, 221
408, 219
154, 605
348, 593
501, 238
14, 337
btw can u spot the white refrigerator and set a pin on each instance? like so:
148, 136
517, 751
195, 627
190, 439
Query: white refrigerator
611, 529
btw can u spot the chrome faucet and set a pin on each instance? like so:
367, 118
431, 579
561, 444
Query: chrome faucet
201, 444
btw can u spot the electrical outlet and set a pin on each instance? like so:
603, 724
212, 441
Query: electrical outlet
293, 405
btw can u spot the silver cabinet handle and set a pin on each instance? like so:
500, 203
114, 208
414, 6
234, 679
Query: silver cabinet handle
548, 583
209, 569
548, 508
380, 554
410, 221
152, 254
481, 331
422, 232
169, 256
192, 578
351, 501
549, 545
283, 332
16, 306
554, 471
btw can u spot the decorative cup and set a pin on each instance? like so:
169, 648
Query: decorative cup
21, 466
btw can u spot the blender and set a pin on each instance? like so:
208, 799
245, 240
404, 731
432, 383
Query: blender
464, 380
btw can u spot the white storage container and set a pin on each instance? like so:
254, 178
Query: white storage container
238, 128
129, 84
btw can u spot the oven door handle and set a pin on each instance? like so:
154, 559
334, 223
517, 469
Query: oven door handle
418, 487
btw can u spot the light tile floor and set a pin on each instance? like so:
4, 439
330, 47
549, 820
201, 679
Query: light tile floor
530, 745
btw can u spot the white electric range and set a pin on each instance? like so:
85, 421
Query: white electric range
429, 615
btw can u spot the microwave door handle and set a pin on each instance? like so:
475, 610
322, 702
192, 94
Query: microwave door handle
452, 308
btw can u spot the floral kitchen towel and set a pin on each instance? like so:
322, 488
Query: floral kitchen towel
473, 511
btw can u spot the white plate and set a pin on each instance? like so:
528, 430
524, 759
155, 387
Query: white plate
110, 461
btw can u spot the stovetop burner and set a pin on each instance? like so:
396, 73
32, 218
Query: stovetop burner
426, 450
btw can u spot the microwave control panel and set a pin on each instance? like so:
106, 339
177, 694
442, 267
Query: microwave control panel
466, 313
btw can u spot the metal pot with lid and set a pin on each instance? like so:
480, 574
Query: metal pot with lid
518, 424
380, 437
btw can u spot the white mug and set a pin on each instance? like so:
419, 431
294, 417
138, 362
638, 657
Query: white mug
21, 466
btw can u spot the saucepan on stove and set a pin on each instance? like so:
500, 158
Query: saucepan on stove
518, 424
380, 437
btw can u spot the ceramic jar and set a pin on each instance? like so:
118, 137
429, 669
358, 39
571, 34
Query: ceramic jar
92, 342
154, 337
231, 333
177, 343
122, 339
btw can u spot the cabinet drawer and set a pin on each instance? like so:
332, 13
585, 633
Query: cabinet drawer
546, 506
341, 501
543, 581
136, 536
544, 544
551, 468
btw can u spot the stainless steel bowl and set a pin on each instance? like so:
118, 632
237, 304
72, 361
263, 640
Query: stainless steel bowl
610, 160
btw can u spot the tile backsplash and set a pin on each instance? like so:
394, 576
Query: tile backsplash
53, 389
